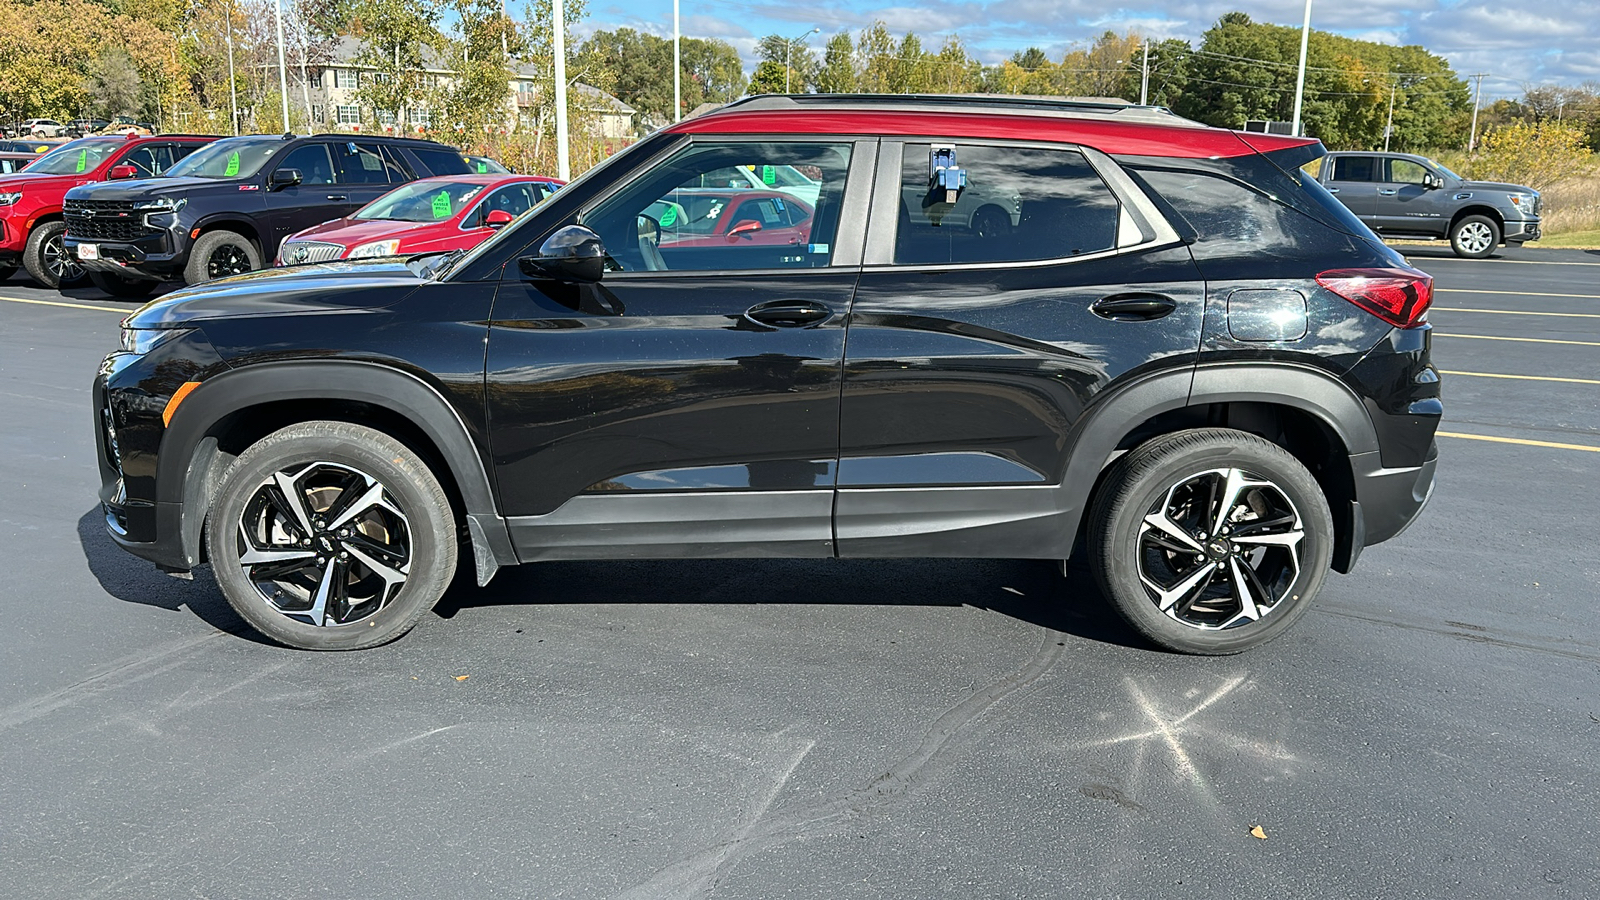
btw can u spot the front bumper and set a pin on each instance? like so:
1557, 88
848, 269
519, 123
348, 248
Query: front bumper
151, 258
1521, 232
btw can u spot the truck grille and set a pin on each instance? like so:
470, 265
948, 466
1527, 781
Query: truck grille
315, 252
103, 220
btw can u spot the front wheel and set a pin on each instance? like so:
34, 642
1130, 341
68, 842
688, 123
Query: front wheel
1474, 237
46, 258
331, 536
219, 254
1210, 541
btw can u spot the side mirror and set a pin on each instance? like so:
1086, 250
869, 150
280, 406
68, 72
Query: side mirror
1431, 182
747, 228
573, 254
283, 178
120, 172
498, 218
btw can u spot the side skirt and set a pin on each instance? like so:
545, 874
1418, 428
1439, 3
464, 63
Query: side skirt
999, 521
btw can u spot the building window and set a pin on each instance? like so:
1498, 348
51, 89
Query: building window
315, 80
386, 118
318, 114
419, 116
349, 115
346, 78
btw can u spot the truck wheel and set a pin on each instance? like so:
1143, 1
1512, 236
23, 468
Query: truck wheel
331, 536
1474, 237
219, 254
46, 258
1210, 541
127, 288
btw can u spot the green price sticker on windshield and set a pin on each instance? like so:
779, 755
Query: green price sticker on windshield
483, 167
233, 165
670, 217
441, 205
769, 176
83, 159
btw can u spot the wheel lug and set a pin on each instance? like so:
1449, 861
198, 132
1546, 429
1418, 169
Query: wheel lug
321, 561
344, 554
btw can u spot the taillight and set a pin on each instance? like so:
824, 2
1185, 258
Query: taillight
1397, 296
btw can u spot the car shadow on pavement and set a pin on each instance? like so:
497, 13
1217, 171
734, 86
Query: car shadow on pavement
132, 580
1031, 591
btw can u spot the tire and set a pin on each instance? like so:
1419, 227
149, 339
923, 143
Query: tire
127, 288
1189, 601
399, 549
218, 254
46, 258
1474, 237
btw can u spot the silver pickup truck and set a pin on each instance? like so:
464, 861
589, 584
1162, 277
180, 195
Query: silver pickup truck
1400, 195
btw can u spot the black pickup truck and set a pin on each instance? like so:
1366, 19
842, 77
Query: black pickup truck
1400, 195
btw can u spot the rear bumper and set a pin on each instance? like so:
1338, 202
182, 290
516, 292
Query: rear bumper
1387, 501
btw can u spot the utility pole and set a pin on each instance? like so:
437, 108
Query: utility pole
1144, 79
677, 65
1388, 127
283, 69
559, 33
1477, 100
1300, 78
233, 85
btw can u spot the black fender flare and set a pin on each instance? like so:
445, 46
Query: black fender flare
183, 464
1310, 390
231, 221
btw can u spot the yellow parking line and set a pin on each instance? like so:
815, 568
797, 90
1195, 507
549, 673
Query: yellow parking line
63, 303
1522, 441
1517, 312
1486, 337
1523, 377
1440, 290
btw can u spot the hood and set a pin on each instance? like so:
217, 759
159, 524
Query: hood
1496, 186
332, 286
354, 232
24, 180
145, 188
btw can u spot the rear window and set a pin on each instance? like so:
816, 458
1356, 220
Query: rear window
441, 161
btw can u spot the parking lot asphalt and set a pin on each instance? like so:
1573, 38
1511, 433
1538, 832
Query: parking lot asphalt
808, 729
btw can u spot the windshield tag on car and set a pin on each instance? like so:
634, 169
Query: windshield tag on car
83, 159
441, 205
233, 165
769, 176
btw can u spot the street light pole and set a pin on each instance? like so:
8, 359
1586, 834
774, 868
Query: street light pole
559, 33
1388, 127
788, 55
1300, 78
283, 69
677, 65
233, 85
1144, 79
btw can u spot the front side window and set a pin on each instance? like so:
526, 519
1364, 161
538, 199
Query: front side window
144, 161
1354, 168
1019, 204
312, 161
708, 208
1404, 171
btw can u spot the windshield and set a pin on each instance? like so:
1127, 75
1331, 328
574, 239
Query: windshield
75, 158
227, 159
430, 201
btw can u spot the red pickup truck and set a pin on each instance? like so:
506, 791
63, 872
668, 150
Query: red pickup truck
30, 201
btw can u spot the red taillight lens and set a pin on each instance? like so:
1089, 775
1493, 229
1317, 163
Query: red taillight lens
1397, 296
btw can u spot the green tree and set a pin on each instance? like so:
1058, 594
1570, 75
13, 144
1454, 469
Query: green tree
1537, 154
875, 55
399, 39
952, 71
837, 74
637, 68
478, 98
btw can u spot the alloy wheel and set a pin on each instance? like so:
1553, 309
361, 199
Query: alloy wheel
227, 260
1222, 548
324, 544
1475, 237
58, 262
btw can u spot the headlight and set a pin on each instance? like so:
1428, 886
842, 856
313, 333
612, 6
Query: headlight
376, 248
11, 198
161, 204
1524, 202
140, 341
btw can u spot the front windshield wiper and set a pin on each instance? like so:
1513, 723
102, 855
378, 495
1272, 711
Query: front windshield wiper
441, 267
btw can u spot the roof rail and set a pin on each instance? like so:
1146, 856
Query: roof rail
1110, 107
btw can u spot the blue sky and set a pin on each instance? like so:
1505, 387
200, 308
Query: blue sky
1519, 44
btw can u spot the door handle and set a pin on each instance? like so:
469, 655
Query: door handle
789, 313
1388, 192
337, 197
1333, 190
1133, 307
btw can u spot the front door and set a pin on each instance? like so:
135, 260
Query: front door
688, 404
316, 199
1405, 205
979, 337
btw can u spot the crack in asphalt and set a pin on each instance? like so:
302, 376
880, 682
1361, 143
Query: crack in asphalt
697, 875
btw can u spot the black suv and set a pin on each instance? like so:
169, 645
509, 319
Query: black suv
1155, 341
224, 210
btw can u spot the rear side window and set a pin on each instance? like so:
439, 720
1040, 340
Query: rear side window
360, 164
441, 161
1020, 204
1233, 218
1354, 168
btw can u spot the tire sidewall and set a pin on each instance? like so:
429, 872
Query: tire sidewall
197, 270
1455, 238
33, 257
430, 523
1116, 554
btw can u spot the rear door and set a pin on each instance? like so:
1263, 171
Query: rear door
1354, 180
364, 175
974, 351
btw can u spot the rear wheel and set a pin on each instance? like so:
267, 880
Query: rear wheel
331, 536
119, 286
47, 260
219, 254
1210, 541
1474, 237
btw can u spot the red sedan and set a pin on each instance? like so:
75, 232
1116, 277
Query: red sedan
713, 217
430, 215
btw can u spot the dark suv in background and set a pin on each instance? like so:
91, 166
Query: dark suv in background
224, 210
1165, 348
